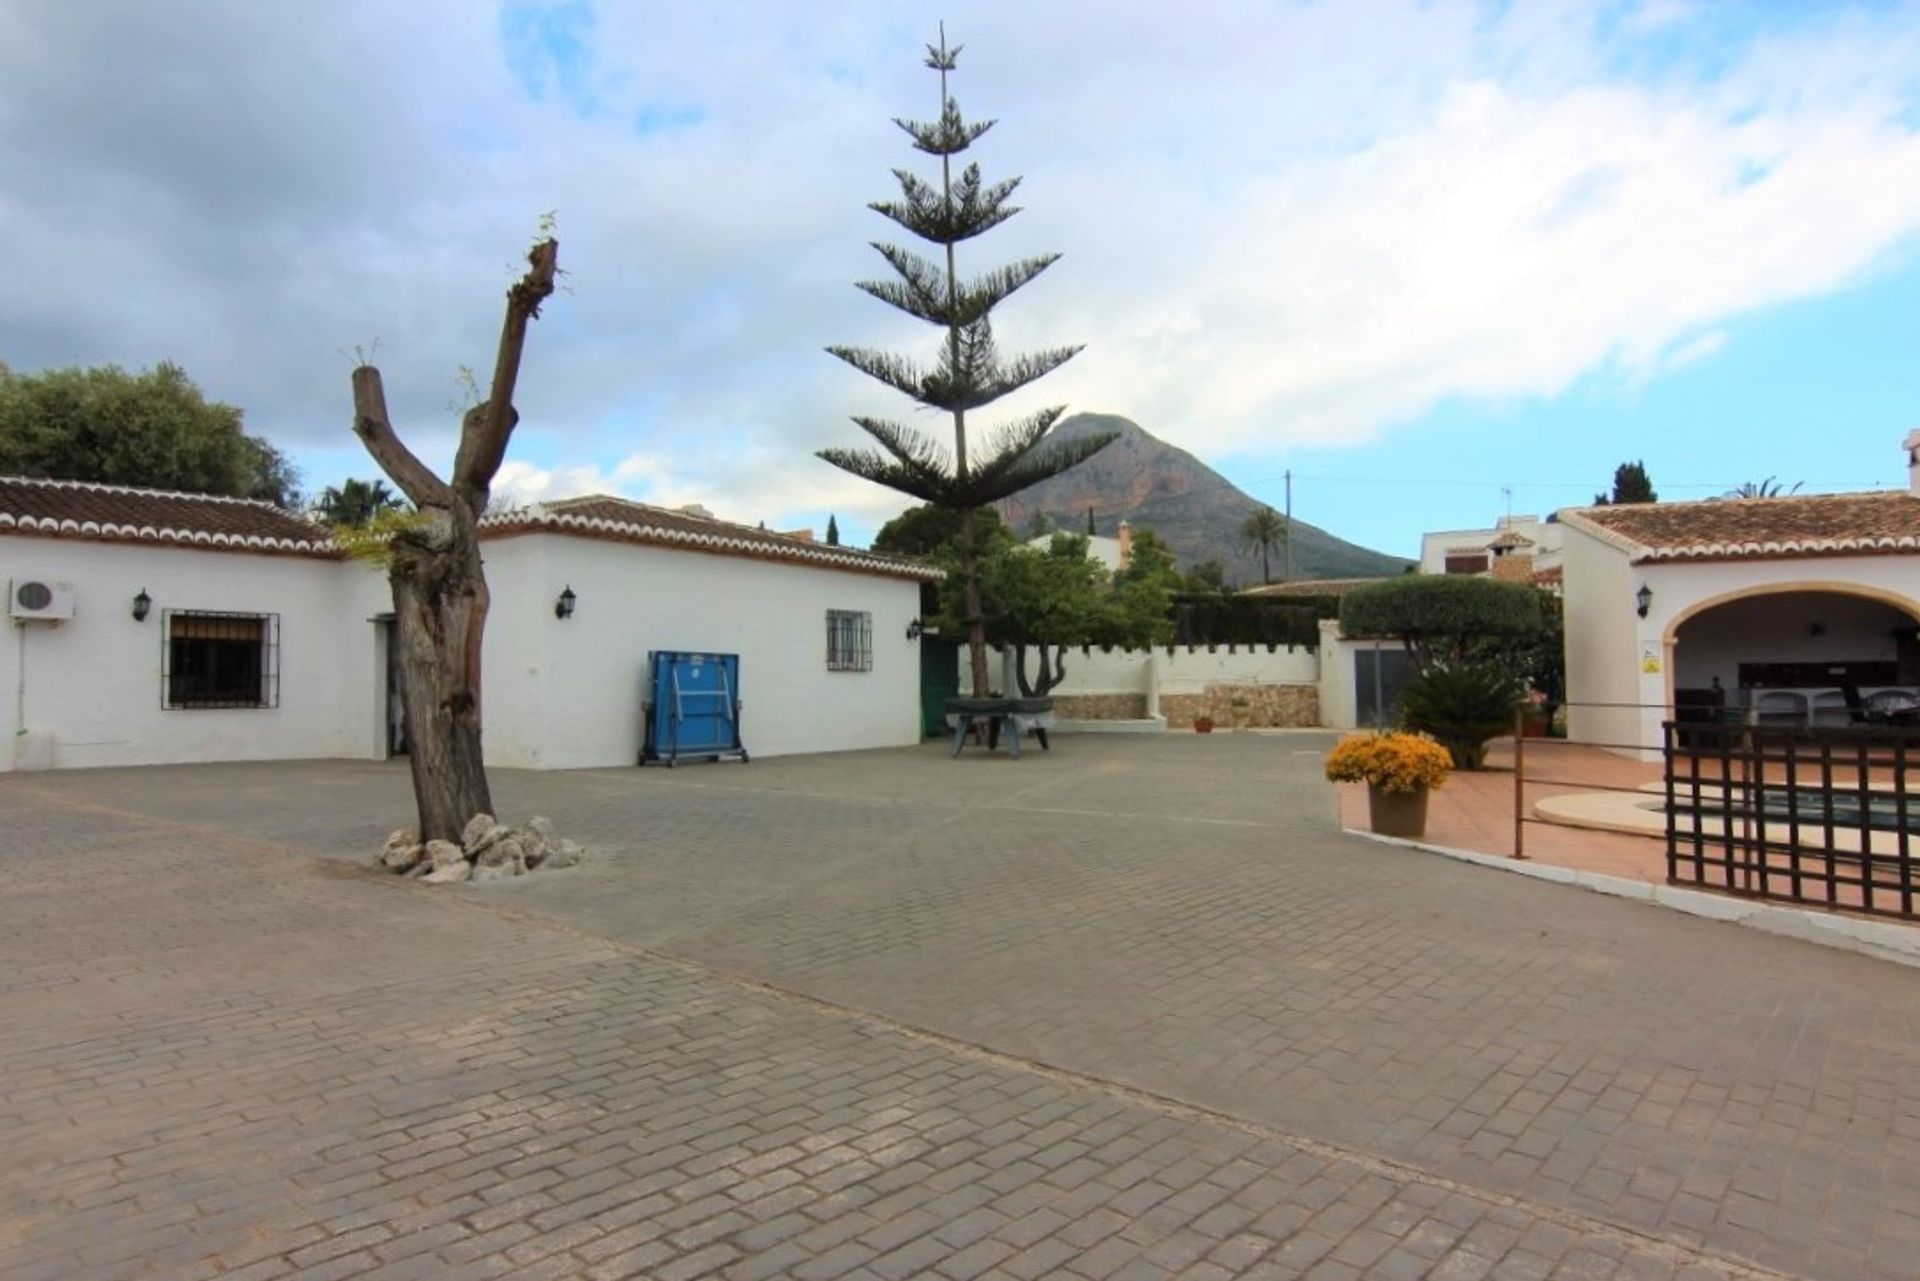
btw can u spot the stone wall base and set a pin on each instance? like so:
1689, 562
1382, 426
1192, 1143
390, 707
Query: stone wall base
1100, 707
1268, 706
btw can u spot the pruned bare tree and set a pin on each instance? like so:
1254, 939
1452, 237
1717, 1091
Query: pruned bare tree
440, 594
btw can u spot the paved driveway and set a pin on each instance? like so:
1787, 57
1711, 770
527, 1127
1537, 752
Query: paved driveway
1131, 1009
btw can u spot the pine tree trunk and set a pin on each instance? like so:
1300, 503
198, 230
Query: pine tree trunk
440, 604
976, 617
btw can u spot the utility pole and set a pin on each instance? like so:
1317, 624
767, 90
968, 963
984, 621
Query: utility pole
1289, 475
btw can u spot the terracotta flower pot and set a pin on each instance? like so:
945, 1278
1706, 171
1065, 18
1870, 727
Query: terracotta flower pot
1402, 814
1203, 725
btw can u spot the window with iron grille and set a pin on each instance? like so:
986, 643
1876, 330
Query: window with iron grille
849, 640
219, 660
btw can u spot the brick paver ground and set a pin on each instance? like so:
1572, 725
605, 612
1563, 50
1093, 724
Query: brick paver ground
1134, 1008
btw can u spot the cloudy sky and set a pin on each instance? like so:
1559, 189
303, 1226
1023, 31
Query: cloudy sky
1417, 253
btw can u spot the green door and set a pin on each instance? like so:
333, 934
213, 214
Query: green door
939, 681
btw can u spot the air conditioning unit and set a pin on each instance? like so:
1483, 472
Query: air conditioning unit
40, 598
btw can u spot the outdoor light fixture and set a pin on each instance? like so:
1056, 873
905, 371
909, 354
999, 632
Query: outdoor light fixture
914, 629
1644, 599
563, 608
142, 605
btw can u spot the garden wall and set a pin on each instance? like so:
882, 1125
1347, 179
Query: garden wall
1281, 687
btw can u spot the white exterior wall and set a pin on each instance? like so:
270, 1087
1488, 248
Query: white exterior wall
564, 694
87, 692
1603, 643
1610, 649
1436, 546
1182, 672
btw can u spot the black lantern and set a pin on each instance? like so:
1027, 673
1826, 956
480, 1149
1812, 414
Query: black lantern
1643, 599
914, 629
563, 608
142, 606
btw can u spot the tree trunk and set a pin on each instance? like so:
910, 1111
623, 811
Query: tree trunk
433, 564
976, 618
440, 604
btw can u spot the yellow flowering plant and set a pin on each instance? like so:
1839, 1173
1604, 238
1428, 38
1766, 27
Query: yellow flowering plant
1393, 762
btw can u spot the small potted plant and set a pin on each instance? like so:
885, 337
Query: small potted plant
1399, 770
1242, 711
1203, 724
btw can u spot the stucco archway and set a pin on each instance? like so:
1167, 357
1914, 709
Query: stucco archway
1679, 664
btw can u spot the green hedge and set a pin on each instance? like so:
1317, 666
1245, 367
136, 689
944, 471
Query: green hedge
1441, 613
1202, 618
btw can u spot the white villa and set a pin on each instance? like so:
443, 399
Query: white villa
152, 627
1779, 610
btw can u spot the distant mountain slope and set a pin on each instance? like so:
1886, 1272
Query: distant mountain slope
1142, 479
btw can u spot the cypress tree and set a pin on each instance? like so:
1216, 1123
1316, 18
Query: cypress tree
833, 531
970, 372
1090, 529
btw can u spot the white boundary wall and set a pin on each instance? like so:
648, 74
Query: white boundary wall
1155, 672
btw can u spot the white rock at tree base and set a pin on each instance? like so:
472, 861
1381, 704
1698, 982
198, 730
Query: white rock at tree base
481, 831
459, 871
402, 858
444, 854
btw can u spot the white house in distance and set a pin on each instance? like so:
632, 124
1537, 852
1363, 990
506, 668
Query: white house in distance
1782, 610
1114, 553
151, 627
1474, 551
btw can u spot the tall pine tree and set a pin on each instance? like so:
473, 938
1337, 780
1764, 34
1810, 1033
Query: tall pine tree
970, 372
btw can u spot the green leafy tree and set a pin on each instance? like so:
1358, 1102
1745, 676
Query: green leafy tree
927, 530
1442, 618
970, 372
1207, 576
1039, 526
1631, 484
833, 531
356, 502
1150, 560
1041, 601
1265, 531
155, 429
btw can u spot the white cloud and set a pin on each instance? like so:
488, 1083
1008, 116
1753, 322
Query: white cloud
1282, 223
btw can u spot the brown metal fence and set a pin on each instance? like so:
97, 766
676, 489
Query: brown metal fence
1804, 814
1815, 815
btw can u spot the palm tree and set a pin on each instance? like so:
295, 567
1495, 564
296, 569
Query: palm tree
355, 502
970, 372
1768, 488
1265, 530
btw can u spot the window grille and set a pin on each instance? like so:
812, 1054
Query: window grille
211, 659
849, 640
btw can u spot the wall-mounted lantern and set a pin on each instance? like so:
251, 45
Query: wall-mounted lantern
142, 606
1643, 599
914, 629
563, 608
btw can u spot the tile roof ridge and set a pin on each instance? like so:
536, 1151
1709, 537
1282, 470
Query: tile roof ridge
106, 487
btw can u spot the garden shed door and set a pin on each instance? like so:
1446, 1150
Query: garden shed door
939, 681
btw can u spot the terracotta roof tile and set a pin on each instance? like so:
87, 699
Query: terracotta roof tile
120, 513
1869, 523
602, 516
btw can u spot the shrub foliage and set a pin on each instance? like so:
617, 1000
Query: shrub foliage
1441, 617
1463, 707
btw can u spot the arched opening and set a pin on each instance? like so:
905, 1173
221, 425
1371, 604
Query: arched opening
1806, 654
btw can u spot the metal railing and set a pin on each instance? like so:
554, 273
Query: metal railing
1799, 814
1814, 815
